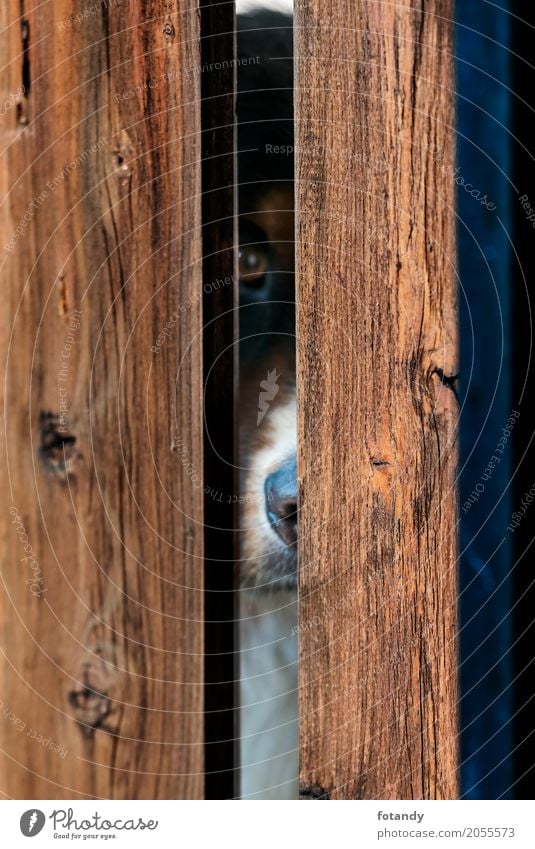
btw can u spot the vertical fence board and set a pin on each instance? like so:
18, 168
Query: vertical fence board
101, 253
377, 362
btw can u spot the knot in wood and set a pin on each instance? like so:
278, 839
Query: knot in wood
169, 30
56, 445
312, 792
91, 704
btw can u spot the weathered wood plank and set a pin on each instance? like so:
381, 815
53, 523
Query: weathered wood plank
377, 358
101, 177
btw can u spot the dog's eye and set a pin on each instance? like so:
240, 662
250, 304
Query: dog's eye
252, 262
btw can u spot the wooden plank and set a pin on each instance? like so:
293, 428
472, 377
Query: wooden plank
377, 360
220, 297
102, 653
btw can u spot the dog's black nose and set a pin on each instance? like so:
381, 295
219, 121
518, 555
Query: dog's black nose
281, 500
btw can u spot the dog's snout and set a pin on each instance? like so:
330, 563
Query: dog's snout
281, 500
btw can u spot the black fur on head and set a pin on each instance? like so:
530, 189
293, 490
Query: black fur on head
265, 166
264, 103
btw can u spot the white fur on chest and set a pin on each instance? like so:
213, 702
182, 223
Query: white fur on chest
269, 733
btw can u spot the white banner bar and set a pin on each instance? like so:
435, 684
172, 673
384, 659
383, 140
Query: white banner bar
355, 825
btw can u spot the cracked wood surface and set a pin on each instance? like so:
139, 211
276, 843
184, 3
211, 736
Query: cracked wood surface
100, 174
377, 367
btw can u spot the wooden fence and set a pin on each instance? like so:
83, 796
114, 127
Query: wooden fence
117, 576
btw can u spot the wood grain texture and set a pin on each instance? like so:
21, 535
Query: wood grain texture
100, 171
377, 361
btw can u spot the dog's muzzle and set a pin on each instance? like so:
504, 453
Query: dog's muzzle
281, 500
